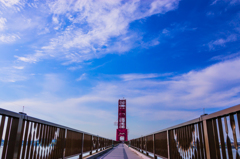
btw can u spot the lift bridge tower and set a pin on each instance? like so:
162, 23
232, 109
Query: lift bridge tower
122, 133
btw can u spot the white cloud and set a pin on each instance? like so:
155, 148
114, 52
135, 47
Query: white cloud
75, 68
44, 31
55, 20
226, 57
18, 67
215, 86
130, 77
177, 28
9, 38
82, 77
167, 115
31, 58
10, 3
181, 97
68, 112
163, 6
214, 2
12, 74
21, 20
221, 41
2, 23
231, 1
95, 23
165, 31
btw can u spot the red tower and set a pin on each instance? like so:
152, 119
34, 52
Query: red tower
122, 131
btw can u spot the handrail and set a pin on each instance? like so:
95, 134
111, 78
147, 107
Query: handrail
33, 119
197, 138
28, 137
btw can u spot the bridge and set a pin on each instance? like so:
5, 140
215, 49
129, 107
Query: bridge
212, 136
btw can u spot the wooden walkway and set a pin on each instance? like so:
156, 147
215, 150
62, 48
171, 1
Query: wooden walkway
120, 152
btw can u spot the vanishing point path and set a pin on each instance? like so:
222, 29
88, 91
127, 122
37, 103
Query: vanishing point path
120, 152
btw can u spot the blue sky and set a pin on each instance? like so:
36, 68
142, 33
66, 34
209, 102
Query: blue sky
69, 61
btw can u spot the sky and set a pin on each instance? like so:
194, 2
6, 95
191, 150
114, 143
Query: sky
69, 61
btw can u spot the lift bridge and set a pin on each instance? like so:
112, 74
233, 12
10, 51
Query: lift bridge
213, 136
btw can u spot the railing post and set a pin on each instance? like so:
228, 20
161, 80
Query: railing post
103, 144
91, 147
97, 143
139, 145
81, 155
168, 145
154, 156
206, 141
64, 144
18, 143
146, 146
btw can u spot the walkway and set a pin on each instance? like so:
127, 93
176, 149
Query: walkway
120, 152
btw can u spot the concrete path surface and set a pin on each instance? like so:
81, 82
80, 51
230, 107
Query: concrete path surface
120, 152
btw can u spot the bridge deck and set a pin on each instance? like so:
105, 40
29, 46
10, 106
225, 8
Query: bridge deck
120, 152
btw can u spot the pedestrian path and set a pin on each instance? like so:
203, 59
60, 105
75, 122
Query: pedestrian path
120, 152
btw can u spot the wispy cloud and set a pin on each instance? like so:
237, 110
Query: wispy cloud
221, 41
104, 27
75, 68
162, 99
177, 28
12, 74
9, 38
168, 114
214, 2
226, 57
229, 1
18, 67
130, 77
2, 23
194, 90
31, 58
82, 77
68, 112
10, 3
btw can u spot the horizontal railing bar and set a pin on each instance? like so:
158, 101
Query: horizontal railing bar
174, 127
57, 125
222, 112
32, 119
205, 117
205, 132
9, 113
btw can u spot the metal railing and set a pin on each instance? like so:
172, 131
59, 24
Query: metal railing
207, 137
24, 137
